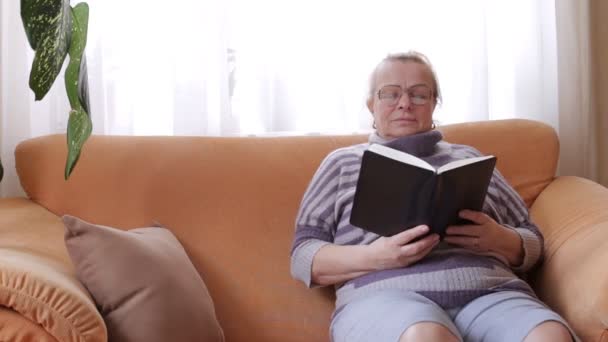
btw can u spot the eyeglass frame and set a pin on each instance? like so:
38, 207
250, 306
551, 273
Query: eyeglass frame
409, 94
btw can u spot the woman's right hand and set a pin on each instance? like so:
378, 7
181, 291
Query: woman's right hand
399, 250
335, 264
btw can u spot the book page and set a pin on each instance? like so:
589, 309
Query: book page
400, 156
462, 162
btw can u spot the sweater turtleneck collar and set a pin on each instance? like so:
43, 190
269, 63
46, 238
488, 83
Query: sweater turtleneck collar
419, 144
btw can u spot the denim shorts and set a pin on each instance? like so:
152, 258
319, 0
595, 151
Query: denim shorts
384, 316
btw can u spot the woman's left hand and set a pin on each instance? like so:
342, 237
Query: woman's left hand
486, 235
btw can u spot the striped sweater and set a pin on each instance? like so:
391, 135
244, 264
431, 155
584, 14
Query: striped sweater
449, 275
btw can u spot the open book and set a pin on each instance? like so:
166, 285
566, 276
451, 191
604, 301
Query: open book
397, 191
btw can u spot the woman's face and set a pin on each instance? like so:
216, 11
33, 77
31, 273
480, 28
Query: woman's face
410, 113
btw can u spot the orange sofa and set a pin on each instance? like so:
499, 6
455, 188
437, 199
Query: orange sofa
232, 201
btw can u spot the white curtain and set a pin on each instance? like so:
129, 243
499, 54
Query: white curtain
577, 115
239, 67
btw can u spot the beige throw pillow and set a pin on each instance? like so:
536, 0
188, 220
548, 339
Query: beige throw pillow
143, 283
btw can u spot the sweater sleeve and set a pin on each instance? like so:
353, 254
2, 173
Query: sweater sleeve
505, 206
511, 211
315, 224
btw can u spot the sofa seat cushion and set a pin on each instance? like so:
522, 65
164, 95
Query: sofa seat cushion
37, 280
143, 283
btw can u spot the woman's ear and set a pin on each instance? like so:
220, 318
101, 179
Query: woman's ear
370, 105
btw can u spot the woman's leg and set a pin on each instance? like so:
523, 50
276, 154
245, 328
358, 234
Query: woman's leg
428, 331
549, 331
511, 316
391, 316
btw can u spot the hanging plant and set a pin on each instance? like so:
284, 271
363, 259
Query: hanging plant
55, 30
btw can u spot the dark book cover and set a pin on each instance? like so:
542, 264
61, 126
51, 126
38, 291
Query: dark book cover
397, 191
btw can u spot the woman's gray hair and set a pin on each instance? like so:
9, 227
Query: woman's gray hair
410, 56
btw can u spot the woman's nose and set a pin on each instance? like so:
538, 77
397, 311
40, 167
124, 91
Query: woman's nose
404, 101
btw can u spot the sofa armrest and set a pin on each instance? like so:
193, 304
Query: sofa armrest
37, 279
15, 327
572, 213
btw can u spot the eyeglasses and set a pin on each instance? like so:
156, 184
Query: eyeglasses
391, 94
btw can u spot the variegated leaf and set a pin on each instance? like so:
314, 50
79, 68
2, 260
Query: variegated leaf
79, 130
83, 86
76, 85
48, 25
37, 15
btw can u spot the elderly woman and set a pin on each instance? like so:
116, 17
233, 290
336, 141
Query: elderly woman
412, 286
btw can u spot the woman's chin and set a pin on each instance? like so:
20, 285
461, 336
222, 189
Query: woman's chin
404, 130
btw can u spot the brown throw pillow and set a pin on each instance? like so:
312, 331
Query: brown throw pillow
143, 283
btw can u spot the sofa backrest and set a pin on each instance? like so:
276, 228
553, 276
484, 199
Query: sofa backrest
232, 202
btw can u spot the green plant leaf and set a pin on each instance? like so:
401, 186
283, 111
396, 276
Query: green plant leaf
83, 86
76, 81
36, 16
79, 130
76, 85
47, 24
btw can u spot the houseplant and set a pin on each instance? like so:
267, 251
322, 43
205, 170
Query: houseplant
55, 29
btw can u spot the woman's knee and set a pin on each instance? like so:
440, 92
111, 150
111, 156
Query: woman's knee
427, 331
549, 331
